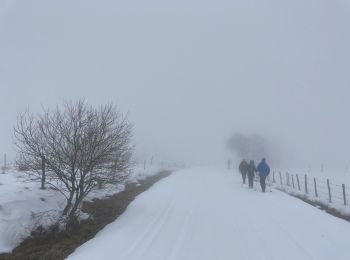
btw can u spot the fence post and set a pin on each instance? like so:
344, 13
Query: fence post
329, 191
298, 182
293, 181
144, 165
306, 189
281, 178
43, 171
5, 162
315, 184
4, 167
288, 180
273, 177
344, 194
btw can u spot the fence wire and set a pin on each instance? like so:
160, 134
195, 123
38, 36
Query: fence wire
316, 188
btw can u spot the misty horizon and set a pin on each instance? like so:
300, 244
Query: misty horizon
190, 74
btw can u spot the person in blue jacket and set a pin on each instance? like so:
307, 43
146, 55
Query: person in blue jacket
263, 171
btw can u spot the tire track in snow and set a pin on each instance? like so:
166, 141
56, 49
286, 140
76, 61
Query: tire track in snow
150, 231
180, 239
155, 231
182, 235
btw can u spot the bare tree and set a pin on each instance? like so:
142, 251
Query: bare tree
255, 147
83, 146
249, 147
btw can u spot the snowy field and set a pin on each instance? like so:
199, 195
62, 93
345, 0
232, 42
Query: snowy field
321, 193
206, 214
335, 175
24, 206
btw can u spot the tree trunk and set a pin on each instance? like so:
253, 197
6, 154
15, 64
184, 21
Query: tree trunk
74, 208
68, 205
43, 172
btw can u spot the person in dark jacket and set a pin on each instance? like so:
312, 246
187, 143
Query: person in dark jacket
243, 168
251, 173
263, 171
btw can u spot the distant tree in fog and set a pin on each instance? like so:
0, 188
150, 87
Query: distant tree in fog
250, 146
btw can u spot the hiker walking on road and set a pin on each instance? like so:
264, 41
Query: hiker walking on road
263, 171
251, 173
243, 168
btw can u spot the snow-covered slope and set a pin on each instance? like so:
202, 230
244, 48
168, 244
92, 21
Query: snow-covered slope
203, 214
24, 206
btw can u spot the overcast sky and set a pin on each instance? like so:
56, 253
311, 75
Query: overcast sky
189, 72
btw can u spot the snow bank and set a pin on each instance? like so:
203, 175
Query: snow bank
321, 193
24, 206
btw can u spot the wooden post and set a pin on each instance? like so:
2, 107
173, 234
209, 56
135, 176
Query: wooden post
152, 161
329, 192
43, 172
144, 164
5, 166
5, 162
344, 194
315, 185
288, 181
281, 178
298, 182
273, 177
306, 189
293, 181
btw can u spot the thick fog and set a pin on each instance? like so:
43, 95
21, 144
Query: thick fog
190, 73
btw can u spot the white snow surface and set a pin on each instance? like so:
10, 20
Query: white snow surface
206, 214
24, 206
335, 177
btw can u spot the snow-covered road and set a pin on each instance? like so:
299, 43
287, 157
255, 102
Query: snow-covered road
204, 214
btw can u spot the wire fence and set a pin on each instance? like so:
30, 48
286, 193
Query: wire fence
315, 188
